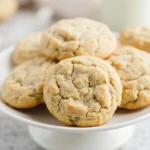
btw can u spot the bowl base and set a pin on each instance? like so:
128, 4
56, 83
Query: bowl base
104, 140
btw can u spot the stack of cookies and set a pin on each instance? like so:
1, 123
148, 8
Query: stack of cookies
77, 70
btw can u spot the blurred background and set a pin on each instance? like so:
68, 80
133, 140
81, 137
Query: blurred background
19, 18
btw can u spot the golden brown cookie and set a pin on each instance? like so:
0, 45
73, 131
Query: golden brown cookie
133, 67
137, 36
23, 88
83, 91
7, 8
27, 48
76, 37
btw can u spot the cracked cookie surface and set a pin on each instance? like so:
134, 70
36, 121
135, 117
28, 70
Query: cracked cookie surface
23, 88
27, 48
137, 36
83, 91
76, 37
133, 67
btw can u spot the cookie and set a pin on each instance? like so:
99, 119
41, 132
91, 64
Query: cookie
76, 37
27, 48
23, 88
137, 36
7, 8
133, 67
83, 91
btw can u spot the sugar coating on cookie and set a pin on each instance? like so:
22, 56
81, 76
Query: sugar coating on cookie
133, 67
83, 91
137, 36
27, 48
7, 8
75, 37
23, 88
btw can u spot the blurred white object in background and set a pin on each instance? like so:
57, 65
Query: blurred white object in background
0, 42
74, 8
121, 13
24, 23
116, 13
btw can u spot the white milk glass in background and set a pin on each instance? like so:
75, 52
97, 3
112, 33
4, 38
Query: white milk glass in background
121, 13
